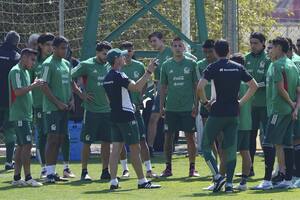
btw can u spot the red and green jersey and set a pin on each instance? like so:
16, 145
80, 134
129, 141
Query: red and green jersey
20, 107
93, 73
135, 70
57, 73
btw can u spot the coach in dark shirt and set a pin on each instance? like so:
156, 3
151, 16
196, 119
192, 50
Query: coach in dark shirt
9, 57
227, 76
124, 125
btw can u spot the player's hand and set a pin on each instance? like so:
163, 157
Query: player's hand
208, 105
152, 65
71, 105
295, 114
294, 104
87, 96
162, 112
62, 106
37, 83
194, 111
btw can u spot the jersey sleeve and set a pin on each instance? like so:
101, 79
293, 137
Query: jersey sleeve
122, 80
246, 77
278, 73
15, 79
194, 72
163, 75
46, 72
209, 73
79, 70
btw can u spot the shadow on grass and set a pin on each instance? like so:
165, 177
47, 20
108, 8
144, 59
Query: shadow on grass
107, 191
270, 191
211, 194
183, 179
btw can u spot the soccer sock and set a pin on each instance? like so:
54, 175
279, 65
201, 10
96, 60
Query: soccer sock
17, 177
289, 163
269, 154
28, 177
84, 171
148, 165
252, 147
142, 180
50, 169
114, 181
192, 166
66, 149
297, 160
124, 164
66, 165
169, 166
9, 151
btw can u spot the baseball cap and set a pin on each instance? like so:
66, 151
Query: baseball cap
114, 53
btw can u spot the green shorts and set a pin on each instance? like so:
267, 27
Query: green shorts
127, 132
259, 118
24, 132
279, 130
8, 127
180, 121
141, 125
296, 132
214, 126
56, 122
96, 127
243, 140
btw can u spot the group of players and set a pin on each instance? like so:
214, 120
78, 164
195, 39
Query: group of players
237, 96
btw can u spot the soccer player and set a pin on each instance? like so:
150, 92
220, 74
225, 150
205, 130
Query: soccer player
257, 63
178, 84
124, 125
20, 113
227, 77
135, 70
44, 42
245, 124
9, 57
96, 122
33, 41
57, 101
283, 83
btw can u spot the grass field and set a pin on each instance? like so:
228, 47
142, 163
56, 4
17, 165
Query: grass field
179, 186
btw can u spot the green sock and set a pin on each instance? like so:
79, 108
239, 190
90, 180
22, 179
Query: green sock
9, 151
66, 149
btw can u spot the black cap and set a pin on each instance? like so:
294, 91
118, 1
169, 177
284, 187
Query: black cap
45, 37
259, 36
208, 44
28, 51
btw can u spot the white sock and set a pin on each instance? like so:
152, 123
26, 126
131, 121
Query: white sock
50, 169
141, 181
217, 176
66, 166
114, 181
124, 164
148, 165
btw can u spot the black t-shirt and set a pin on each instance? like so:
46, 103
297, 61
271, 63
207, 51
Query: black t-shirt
115, 85
227, 76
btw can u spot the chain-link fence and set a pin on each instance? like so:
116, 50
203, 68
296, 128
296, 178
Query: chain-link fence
290, 30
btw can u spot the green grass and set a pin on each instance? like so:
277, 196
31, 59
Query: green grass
179, 186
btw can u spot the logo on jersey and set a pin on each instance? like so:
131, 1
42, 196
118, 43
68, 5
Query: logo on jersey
28, 138
262, 64
39, 115
95, 71
171, 71
136, 74
166, 127
87, 137
20, 123
186, 70
221, 69
53, 127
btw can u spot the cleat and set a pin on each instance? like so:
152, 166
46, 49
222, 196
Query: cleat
85, 177
240, 187
125, 174
151, 174
193, 173
218, 184
264, 185
166, 173
284, 185
68, 173
148, 185
105, 175
19, 183
114, 187
33, 183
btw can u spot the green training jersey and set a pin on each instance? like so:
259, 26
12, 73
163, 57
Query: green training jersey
57, 73
20, 107
201, 66
37, 93
135, 70
284, 70
257, 66
296, 60
269, 89
245, 111
93, 74
180, 79
162, 57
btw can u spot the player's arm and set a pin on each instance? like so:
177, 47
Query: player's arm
284, 94
295, 111
24, 90
163, 93
201, 95
252, 87
138, 86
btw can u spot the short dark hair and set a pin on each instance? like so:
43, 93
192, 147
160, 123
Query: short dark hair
45, 37
176, 39
259, 36
103, 45
238, 57
208, 44
58, 40
283, 42
157, 34
28, 51
291, 44
221, 48
126, 45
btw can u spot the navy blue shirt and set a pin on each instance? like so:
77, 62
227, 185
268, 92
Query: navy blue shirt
115, 85
227, 76
9, 57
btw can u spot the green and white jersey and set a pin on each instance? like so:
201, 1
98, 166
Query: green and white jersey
201, 66
245, 111
20, 107
284, 70
180, 78
162, 57
257, 66
57, 73
135, 70
269, 89
296, 60
93, 74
